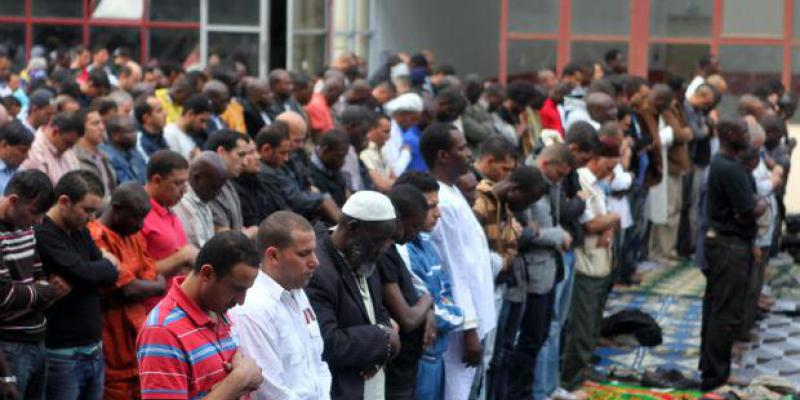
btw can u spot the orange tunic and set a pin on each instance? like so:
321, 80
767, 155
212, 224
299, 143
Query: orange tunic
234, 117
121, 322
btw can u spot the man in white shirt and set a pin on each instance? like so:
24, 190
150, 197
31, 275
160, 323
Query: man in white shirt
462, 244
182, 136
405, 111
276, 325
207, 175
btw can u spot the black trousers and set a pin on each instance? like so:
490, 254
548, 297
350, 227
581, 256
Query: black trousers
728, 274
522, 329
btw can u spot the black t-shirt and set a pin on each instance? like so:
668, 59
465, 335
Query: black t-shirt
730, 193
392, 269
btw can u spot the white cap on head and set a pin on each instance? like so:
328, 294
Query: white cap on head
411, 102
369, 206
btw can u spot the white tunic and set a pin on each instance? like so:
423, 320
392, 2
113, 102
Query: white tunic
278, 329
462, 245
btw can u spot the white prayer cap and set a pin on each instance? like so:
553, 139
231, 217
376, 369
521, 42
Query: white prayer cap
369, 206
400, 69
405, 102
551, 136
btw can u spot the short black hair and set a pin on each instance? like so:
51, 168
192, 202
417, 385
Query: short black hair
435, 138
521, 92
770, 123
571, 69
611, 55
77, 184
99, 79
141, 108
631, 84
14, 134
197, 104
163, 162
32, 185
276, 230
357, 115
334, 138
225, 250
408, 201
170, 67
272, 135
498, 147
119, 124
583, 135
527, 178
705, 61
445, 69
300, 80
453, 98
423, 181
102, 105
224, 138
11, 100
69, 121
728, 126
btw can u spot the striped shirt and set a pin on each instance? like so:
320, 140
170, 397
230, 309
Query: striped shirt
181, 350
21, 301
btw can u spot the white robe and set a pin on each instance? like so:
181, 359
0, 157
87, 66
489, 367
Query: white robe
462, 244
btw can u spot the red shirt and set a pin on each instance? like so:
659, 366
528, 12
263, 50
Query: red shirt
163, 232
550, 117
181, 351
319, 113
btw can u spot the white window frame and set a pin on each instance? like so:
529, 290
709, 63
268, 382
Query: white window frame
351, 33
291, 32
262, 30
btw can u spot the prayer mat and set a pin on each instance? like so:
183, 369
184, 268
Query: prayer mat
617, 391
682, 279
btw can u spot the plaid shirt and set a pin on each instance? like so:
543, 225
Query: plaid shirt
499, 224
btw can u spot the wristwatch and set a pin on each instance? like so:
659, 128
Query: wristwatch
8, 379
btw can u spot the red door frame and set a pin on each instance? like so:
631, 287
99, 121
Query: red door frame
86, 22
639, 38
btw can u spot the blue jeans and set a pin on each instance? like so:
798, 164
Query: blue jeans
28, 362
546, 372
75, 377
430, 377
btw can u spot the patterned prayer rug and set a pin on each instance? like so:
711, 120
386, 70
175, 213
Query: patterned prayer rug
613, 391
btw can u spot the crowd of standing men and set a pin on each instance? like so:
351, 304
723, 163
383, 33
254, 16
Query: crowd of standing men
171, 234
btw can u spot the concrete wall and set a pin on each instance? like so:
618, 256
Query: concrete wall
463, 33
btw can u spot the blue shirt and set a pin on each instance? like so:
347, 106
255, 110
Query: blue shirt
427, 265
644, 159
151, 143
411, 139
128, 164
6, 173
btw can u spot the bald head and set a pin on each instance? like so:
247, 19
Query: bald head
297, 128
207, 174
718, 82
128, 208
751, 105
661, 97
703, 97
601, 107
213, 87
557, 153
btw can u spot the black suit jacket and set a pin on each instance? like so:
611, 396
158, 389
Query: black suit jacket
352, 343
252, 119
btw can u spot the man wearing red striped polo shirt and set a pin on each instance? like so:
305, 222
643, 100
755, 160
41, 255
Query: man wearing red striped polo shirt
185, 349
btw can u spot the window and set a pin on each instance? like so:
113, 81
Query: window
12, 37
537, 16
309, 53
172, 44
351, 28
55, 37
667, 60
745, 67
526, 57
600, 17
15, 8
309, 33
747, 17
594, 51
56, 8
241, 47
175, 10
234, 12
115, 37
681, 18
